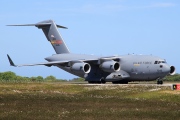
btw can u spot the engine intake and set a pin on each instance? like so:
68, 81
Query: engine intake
81, 67
172, 70
110, 66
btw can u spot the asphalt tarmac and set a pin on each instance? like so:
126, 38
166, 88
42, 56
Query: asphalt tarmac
163, 85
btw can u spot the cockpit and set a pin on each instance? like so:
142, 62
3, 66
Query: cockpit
160, 61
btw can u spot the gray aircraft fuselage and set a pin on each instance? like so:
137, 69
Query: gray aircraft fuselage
132, 67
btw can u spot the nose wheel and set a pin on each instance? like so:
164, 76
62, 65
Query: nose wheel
159, 82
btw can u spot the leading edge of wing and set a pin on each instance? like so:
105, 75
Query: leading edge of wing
43, 63
49, 63
54, 63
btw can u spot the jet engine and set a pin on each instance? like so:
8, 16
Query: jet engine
110, 66
81, 67
172, 70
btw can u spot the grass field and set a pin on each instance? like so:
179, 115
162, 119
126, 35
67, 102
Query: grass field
37, 101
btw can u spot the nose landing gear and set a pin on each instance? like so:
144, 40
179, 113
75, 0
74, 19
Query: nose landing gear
159, 81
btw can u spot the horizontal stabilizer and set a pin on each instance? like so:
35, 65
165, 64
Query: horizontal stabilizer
59, 26
23, 25
39, 25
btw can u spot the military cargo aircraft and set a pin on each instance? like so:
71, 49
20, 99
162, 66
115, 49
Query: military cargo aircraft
97, 69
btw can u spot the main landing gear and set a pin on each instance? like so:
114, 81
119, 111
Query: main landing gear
97, 82
102, 81
120, 82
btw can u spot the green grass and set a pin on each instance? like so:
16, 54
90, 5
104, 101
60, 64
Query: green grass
83, 102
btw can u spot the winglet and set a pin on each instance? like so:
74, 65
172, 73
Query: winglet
10, 61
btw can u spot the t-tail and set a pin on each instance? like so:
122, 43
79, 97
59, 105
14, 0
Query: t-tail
52, 34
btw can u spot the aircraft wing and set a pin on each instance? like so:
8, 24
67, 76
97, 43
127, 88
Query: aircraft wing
98, 60
50, 63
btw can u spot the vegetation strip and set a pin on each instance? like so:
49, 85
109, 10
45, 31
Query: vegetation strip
64, 101
12, 77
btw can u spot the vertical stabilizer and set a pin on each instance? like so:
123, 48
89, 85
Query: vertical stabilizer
52, 34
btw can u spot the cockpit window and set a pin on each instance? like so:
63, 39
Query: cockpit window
163, 61
160, 61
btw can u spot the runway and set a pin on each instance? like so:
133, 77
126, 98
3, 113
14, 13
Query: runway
163, 85
145, 84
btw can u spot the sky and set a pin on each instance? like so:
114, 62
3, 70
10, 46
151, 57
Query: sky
98, 27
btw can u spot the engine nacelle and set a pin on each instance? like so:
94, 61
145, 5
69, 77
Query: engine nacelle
172, 70
81, 67
110, 66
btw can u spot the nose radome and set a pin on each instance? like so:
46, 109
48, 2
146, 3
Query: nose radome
169, 69
166, 68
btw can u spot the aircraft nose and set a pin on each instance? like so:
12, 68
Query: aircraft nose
166, 68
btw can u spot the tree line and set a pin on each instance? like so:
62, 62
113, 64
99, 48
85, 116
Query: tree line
11, 76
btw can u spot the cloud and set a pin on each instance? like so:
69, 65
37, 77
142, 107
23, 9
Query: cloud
113, 8
96, 9
102, 8
158, 5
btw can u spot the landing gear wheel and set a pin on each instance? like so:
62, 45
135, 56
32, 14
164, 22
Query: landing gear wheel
120, 82
115, 82
125, 82
98, 82
159, 82
103, 81
90, 82
95, 82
